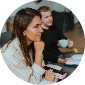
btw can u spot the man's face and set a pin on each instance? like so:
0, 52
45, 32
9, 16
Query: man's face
46, 18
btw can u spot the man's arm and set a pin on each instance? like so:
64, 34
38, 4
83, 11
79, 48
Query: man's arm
60, 35
60, 60
48, 56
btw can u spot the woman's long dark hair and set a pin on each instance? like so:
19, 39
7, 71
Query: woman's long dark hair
21, 21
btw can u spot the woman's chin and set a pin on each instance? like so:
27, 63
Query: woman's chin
37, 40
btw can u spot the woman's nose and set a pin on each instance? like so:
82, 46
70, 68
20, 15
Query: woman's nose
41, 30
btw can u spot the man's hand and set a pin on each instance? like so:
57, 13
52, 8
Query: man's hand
70, 43
60, 60
66, 59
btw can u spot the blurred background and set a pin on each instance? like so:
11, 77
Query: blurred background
35, 5
63, 19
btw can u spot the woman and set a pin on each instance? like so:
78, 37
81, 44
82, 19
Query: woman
23, 52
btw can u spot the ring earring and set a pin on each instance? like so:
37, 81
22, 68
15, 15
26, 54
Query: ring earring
23, 34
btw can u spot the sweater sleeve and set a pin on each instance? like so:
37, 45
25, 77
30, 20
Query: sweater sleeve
60, 35
30, 74
17, 65
48, 56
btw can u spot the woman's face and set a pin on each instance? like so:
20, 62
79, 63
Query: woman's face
34, 30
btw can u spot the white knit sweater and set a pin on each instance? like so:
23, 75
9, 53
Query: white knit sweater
14, 59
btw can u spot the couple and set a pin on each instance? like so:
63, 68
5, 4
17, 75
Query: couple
23, 52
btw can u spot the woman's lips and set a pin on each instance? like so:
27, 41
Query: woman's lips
39, 35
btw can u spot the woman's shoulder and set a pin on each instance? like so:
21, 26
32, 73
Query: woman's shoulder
9, 46
12, 53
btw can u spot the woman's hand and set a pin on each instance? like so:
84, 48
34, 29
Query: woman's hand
39, 46
49, 76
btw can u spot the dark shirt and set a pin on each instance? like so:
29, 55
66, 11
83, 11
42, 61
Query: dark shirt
50, 38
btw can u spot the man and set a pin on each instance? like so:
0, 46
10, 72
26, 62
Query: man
50, 36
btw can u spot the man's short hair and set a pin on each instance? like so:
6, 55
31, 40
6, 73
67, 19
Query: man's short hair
43, 9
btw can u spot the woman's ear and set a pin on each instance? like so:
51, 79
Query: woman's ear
23, 33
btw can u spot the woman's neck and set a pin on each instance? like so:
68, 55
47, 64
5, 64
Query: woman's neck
28, 41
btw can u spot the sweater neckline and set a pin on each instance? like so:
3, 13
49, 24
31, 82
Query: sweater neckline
48, 29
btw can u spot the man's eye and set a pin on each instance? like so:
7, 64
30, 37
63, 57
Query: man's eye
46, 17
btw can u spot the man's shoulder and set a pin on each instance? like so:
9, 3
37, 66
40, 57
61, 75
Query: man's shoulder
53, 27
56, 28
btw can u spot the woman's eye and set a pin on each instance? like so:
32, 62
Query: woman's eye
35, 26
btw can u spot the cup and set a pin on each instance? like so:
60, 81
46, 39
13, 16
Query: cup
63, 43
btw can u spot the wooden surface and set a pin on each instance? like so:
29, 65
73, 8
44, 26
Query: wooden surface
77, 36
